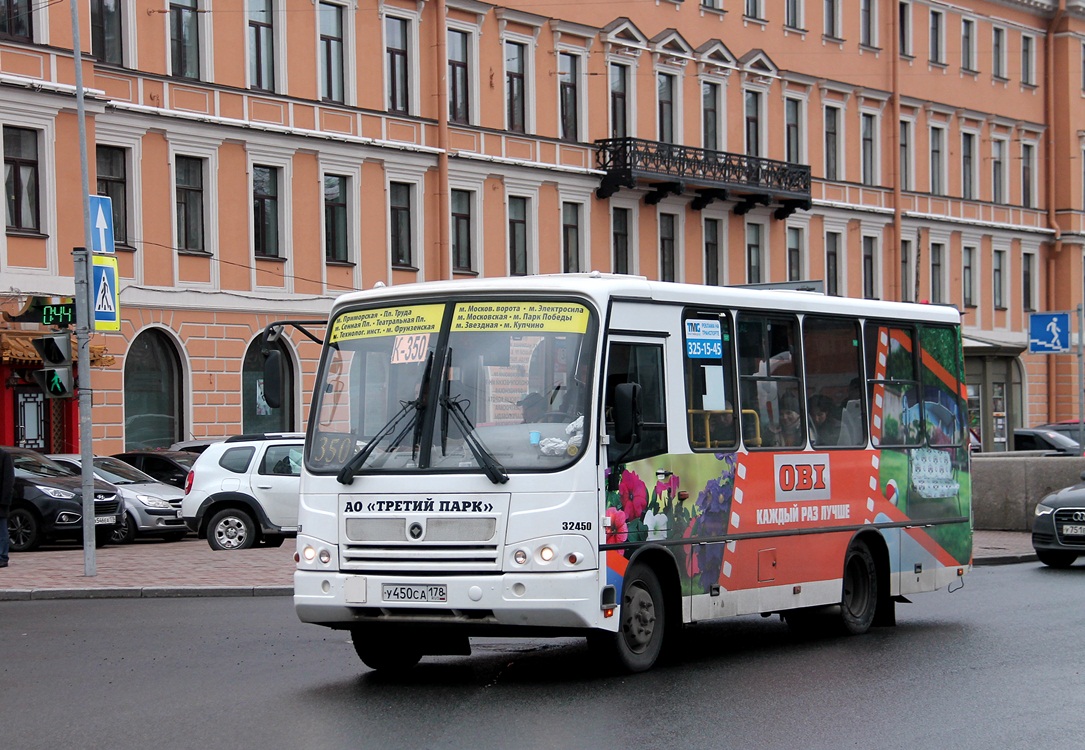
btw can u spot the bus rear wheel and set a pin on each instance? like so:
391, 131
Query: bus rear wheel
859, 598
382, 654
642, 625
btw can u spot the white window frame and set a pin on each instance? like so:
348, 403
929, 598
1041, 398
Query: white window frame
971, 242
630, 96
413, 20
677, 104
799, 19
279, 51
530, 192
872, 42
676, 209
1034, 288
474, 186
907, 159
839, 227
974, 172
1028, 60
415, 176
350, 86
937, 40
473, 32
721, 111
800, 224
941, 174
968, 56
907, 33
1000, 254
762, 119
276, 158
581, 90
335, 164
841, 152
998, 52
875, 166
721, 215
801, 130
204, 22
585, 197
200, 145
1033, 173
942, 239
1000, 185
761, 221
633, 206
528, 43
876, 265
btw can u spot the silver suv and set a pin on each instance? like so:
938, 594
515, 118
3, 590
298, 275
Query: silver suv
244, 491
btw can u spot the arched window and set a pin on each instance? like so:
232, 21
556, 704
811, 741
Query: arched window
153, 399
257, 416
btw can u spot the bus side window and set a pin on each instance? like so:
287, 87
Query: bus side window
643, 364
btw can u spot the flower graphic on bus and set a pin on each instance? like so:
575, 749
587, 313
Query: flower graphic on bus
617, 529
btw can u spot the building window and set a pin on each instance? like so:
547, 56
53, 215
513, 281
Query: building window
905, 155
261, 44
937, 53
400, 221
1028, 165
189, 196
185, 38
459, 101
153, 392
753, 123
867, 34
793, 14
517, 236
968, 44
665, 98
793, 130
112, 169
666, 247
753, 253
1028, 61
21, 178
619, 101
265, 211
794, 253
1026, 281
570, 237
515, 106
938, 136
832, 263
462, 254
869, 134
905, 271
998, 171
106, 42
396, 31
331, 52
753, 9
712, 252
832, 19
710, 115
257, 415
335, 218
16, 20
620, 232
968, 165
967, 261
997, 264
568, 93
870, 249
905, 10
998, 52
937, 252
832, 143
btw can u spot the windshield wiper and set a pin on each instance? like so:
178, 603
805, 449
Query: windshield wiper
494, 470
414, 407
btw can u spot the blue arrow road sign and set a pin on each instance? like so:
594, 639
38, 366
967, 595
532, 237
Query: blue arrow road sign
101, 224
1049, 333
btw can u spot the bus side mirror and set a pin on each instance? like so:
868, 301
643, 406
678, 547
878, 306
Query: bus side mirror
627, 416
273, 379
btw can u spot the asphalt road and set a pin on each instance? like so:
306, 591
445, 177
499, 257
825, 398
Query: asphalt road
994, 665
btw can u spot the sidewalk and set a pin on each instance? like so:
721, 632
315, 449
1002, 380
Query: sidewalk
190, 568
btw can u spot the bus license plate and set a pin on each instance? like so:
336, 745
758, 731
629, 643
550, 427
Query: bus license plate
1073, 530
414, 592
104, 520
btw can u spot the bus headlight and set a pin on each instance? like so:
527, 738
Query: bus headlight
546, 553
520, 556
551, 554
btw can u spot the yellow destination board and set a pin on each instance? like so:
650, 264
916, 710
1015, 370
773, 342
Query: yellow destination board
560, 317
387, 321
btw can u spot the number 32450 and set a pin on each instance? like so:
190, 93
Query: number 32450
576, 525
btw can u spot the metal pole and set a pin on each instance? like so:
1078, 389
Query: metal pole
84, 313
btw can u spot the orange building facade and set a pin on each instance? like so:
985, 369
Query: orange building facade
263, 157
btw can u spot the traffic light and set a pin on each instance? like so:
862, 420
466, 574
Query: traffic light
55, 378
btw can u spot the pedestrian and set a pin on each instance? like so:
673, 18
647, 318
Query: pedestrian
7, 489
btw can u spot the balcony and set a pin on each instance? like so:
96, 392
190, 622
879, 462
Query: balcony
668, 169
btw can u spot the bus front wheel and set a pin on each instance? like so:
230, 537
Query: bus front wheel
637, 644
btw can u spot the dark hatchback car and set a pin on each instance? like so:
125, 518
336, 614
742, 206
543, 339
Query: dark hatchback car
1058, 529
48, 503
1040, 439
167, 466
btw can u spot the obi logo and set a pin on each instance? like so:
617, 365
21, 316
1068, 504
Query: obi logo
802, 476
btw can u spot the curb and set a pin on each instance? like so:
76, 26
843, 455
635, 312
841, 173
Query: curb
145, 592
1005, 559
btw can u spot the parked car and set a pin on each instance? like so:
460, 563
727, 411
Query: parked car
197, 445
164, 465
1058, 528
1033, 439
153, 508
1068, 427
48, 504
244, 490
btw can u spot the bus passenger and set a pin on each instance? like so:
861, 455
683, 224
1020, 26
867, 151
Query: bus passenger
789, 430
533, 407
824, 427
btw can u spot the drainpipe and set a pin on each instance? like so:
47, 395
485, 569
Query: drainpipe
445, 258
894, 157
1049, 189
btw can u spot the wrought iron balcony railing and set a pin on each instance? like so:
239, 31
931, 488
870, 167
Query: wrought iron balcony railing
668, 168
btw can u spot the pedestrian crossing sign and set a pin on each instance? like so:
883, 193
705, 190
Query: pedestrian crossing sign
104, 299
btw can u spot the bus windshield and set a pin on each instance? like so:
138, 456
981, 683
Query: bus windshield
482, 386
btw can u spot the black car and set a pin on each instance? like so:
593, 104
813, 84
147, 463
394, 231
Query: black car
167, 466
48, 503
1058, 530
1040, 439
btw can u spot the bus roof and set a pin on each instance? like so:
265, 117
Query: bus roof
602, 287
